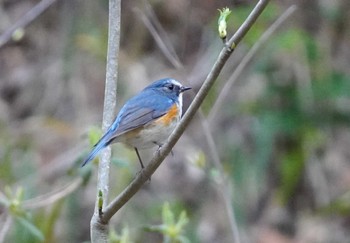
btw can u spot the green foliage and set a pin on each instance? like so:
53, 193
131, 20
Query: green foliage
13, 149
123, 237
222, 22
13, 202
94, 135
198, 159
172, 230
338, 207
47, 221
285, 132
289, 40
29, 228
92, 42
240, 13
18, 34
6, 172
291, 169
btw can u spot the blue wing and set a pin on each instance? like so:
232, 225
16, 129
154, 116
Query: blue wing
136, 112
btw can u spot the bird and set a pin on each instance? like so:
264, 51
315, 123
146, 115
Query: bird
146, 120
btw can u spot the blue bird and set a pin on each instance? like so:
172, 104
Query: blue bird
147, 119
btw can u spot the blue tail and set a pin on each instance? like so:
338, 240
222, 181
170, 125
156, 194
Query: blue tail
102, 143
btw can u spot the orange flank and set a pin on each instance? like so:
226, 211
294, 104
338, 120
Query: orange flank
169, 117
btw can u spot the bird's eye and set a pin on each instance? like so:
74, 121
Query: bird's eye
170, 86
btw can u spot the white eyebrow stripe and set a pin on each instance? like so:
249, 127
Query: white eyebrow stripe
173, 81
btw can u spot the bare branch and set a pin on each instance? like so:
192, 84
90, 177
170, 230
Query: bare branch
226, 90
152, 23
25, 20
247, 24
52, 197
223, 183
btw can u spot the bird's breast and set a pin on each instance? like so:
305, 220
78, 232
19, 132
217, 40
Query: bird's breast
172, 115
154, 133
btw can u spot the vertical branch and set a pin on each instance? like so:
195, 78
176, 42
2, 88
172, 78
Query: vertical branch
99, 227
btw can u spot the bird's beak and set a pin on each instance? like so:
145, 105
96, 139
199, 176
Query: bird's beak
184, 88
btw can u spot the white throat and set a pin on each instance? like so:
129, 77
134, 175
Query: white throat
180, 104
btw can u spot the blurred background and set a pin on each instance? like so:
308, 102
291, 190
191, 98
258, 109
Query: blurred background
271, 144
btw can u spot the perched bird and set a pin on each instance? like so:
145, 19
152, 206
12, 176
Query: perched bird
147, 119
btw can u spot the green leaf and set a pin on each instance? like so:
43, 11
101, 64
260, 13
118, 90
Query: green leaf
197, 158
167, 215
183, 239
123, 237
155, 228
222, 22
172, 231
31, 228
183, 220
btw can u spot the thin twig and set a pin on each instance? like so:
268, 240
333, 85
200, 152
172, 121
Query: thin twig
99, 230
5, 228
25, 20
227, 89
52, 197
136, 184
223, 182
152, 23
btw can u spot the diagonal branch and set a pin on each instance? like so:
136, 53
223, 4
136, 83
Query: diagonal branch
225, 53
153, 25
226, 90
25, 20
52, 197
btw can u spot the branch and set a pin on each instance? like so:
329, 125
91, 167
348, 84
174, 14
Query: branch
247, 24
223, 182
153, 25
25, 20
225, 53
99, 231
52, 197
226, 90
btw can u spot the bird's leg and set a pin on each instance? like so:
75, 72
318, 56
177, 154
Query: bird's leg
138, 155
142, 167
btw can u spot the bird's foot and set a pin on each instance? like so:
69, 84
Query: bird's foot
160, 147
141, 173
